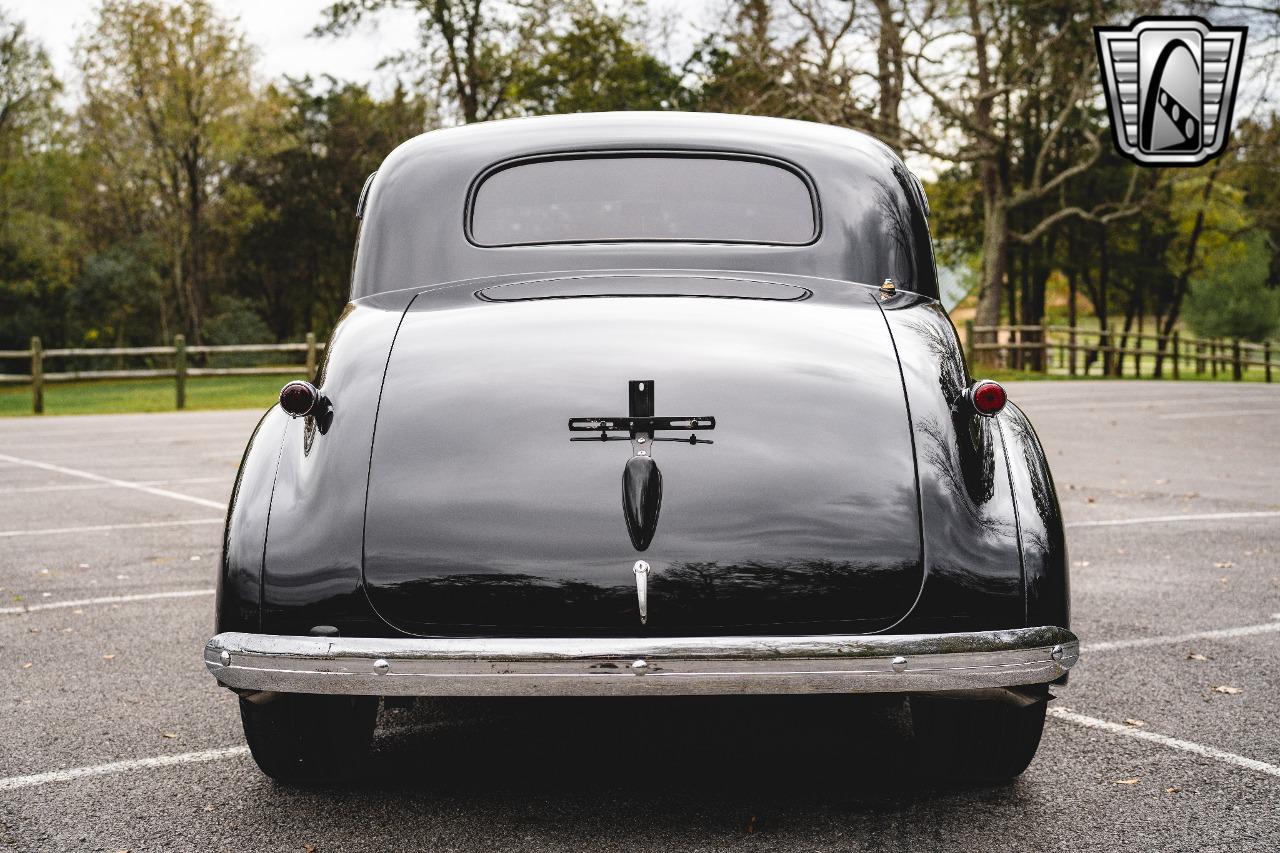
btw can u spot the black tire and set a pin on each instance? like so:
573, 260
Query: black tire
976, 739
305, 739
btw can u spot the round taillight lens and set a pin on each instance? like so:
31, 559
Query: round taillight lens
988, 397
298, 398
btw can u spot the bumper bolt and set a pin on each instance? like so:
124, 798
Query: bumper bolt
381, 667
899, 664
1056, 653
639, 665
225, 657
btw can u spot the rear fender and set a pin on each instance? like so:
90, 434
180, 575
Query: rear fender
245, 536
1040, 528
312, 566
973, 571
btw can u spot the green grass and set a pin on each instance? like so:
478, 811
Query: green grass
112, 396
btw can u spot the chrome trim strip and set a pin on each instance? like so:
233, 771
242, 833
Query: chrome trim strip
607, 666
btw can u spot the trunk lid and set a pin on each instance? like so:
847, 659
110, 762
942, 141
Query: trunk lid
801, 516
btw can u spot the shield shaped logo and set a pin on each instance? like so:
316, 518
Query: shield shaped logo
1170, 86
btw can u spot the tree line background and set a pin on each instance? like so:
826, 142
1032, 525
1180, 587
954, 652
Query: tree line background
168, 190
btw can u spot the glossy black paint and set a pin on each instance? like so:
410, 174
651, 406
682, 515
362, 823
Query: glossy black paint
872, 213
849, 487
641, 499
472, 476
970, 527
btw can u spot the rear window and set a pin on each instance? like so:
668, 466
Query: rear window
624, 198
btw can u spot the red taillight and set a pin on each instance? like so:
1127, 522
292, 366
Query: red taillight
988, 397
299, 398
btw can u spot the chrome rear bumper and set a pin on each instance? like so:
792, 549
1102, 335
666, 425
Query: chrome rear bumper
639, 666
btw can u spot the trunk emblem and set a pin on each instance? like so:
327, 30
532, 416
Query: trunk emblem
641, 569
641, 479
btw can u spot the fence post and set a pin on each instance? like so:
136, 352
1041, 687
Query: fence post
311, 355
1266, 358
180, 370
1071, 346
1237, 372
37, 377
1176, 356
1213, 358
1045, 346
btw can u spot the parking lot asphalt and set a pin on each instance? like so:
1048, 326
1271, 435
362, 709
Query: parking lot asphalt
115, 737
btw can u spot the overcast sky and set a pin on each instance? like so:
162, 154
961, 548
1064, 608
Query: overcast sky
278, 28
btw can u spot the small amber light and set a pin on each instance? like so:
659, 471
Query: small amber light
988, 397
299, 398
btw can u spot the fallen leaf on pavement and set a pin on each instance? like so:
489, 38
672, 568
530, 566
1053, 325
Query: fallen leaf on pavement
169, 735
27, 665
1124, 781
1227, 689
1226, 564
1137, 724
1091, 500
310, 848
1197, 656
208, 808
108, 657
1173, 790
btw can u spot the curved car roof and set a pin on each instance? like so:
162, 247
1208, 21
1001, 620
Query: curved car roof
872, 210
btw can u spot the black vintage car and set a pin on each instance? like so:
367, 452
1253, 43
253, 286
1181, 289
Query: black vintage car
643, 404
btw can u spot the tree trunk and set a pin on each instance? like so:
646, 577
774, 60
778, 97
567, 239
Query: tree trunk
889, 75
194, 207
1130, 311
995, 251
1100, 307
1183, 280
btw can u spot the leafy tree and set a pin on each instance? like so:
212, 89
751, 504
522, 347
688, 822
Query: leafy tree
593, 65
38, 248
469, 50
742, 70
1230, 296
1256, 169
166, 90
291, 211
116, 296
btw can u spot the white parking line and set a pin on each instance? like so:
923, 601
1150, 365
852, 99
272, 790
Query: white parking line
14, 782
112, 481
106, 599
91, 528
1069, 716
1175, 639
1165, 519
80, 487
73, 773
1059, 404
1221, 414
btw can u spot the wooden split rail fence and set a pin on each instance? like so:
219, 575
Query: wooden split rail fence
1077, 351
178, 358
